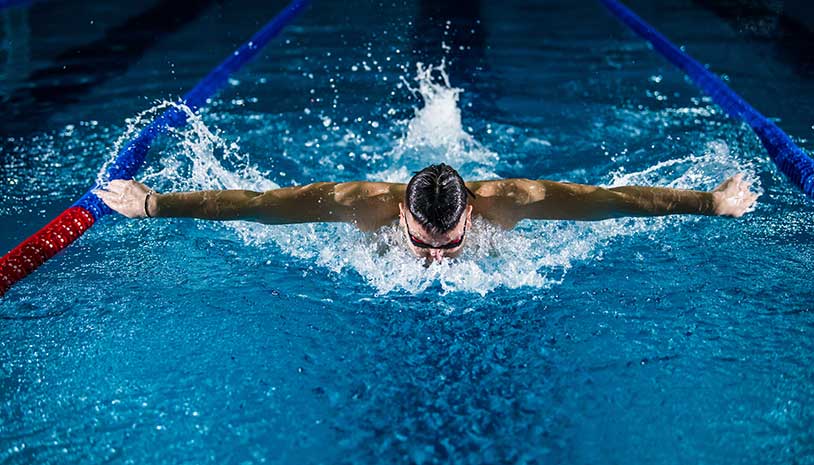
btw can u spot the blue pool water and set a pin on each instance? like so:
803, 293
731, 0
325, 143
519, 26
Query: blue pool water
660, 340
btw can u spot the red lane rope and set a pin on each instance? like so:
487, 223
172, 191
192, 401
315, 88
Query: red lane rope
72, 223
44, 244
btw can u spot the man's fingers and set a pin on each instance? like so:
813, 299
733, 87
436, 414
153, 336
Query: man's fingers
105, 196
114, 187
734, 182
122, 198
737, 196
117, 185
111, 199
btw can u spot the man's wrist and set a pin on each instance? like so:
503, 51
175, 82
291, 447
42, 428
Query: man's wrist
711, 201
152, 207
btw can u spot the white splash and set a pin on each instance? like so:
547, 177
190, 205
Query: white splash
691, 172
436, 134
212, 162
134, 126
205, 152
535, 254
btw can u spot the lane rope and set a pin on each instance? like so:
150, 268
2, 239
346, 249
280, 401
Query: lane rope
789, 158
69, 225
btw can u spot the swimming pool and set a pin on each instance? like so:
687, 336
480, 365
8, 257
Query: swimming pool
666, 340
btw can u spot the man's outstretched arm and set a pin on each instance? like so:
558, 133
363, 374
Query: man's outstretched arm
363, 203
539, 199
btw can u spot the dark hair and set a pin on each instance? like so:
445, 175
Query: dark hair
436, 196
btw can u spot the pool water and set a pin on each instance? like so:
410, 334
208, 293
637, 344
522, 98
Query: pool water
649, 340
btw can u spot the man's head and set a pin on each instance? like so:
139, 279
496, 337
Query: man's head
437, 212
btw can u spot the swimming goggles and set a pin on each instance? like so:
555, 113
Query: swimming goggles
448, 245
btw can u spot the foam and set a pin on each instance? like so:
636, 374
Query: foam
535, 254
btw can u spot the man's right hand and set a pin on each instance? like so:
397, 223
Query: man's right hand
127, 198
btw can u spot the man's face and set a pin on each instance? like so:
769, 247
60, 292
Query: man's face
421, 235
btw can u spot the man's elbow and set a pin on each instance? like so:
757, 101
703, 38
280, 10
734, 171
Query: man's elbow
262, 207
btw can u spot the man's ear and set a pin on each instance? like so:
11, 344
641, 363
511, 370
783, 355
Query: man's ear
469, 209
402, 215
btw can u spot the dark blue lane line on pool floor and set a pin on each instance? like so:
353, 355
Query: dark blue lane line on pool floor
11, 3
77, 70
788, 157
788, 34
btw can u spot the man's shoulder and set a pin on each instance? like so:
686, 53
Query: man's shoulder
503, 201
370, 204
509, 189
355, 191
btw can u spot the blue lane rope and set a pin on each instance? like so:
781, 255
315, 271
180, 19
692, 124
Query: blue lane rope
132, 156
788, 157
68, 226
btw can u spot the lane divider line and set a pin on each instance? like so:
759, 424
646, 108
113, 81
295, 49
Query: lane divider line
789, 158
69, 225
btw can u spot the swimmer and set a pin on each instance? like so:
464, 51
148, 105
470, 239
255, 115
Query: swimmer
434, 209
